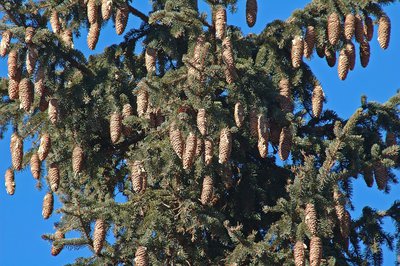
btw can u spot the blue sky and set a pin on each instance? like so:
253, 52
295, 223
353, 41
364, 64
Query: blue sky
21, 222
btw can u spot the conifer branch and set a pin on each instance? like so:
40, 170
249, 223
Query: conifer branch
139, 14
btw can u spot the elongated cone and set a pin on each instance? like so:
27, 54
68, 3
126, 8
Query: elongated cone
368, 176
115, 127
381, 175
141, 257
150, 59
13, 64
285, 143
227, 53
207, 190
391, 140
345, 225
106, 9
299, 254
35, 166
54, 176
31, 58
176, 140
16, 148
142, 99
285, 92
343, 65
309, 42
225, 145
311, 218
93, 35
365, 53
239, 114
138, 176
39, 85
199, 147
262, 128
334, 28
220, 22
330, 57
274, 132
315, 251
43, 103
253, 123
127, 111
208, 151
92, 11
202, 121
67, 38
384, 29
297, 51
351, 54
55, 22
26, 94
359, 30
121, 18
5, 42
251, 12
320, 48
349, 26
13, 87
29, 32
318, 98
77, 159
368, 28
10, 183
189, 151
99, 235
48, 204
55, 250
339, 207
53, 111
44, 147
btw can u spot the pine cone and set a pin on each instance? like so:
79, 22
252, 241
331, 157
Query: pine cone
349, 26
309, 41
318, 98
44, 147
251, 12
67, 38
26, 94
207, 190
239, 114
345, 225
54, 176
359, 30
43, 103
299, 254
121, 18
138, 177
29, 32
320, 48
297, 51
334, 28
368, 28
142, 99
16, 148
285, 143
93, 34
208, 151
311, 218
275, 133
176, 140
262, 128
285, 92
315, 251
53, 111
31, 58
92, 11
202, 121
106, 9
190, 150
99, 235
77, 159
339, 208
365, 53
199, 147
115, 127
127, 111
5, 42
35, 166
150, 59
225, 145
227, 56
10, 182
368, 176
381, 175
55, 250
220, 22
330, 57
40, 81
48, 204
13, 88
13, 64
384, 29
141, 257
343, 65
55, 22
253, 123
351, 54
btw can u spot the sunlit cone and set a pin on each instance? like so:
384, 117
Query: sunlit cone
48, 205
13, 88
150, 59
44, 147
365, 53
127, 111
384, 29
55, 250
115, 127
208, 151
297, 51
349, 26
251, 12
330, 57
55, 22
121, 18
99, 235
339, 208
106, 9
253, 123
334, 28
381, 175
10, 182
13, 64
318, 98
309, 42
53, 111
5, 42
199, 147
35, 166
368, 176
343, 65
26, 94
202, 121
92, 14
239, 114
227, 56
311, 218
54, 176
230, 75
225, 145
315, 251
299, 254
39, 85
141, 256
262, 129
16, 148
77, 159
368, 28
189, 151
207, 190
29, 32
198, 49
285, 92
359, 29
351, 54
138, 176
67, 38
176, 140
93, 35
274, 133
142, 99
220, 22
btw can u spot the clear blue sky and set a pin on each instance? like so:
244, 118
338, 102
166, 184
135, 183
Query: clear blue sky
21, 222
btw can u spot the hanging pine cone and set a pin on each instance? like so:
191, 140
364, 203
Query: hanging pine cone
39, 85
381, 175
274, 133
44, 147
53, 111
199, 147
77, 159
285, 143
55, 22
67, 38
285, 92
29, 32
30, 62
16, 148
202, 121
190, 150
10, 182
142, 99
251, 12
127, 111
93, 35
339, 208
13, 64
225, 145
138, 177
330, 57
311, 218
262, 128
365, 53
106, 9
253, 123
318, 98
35, 166
13, 87
334, 28
359, 30
351, 54
208, 151
176, 140
320, 48
99, 235
43, 103
239, 114
349, 26
92, 11
150, 59
207, 190
299, 254
48, 204
121, 18
26, 94
309, 42
220, 22
343, 65
297, 51
227, 55
54, 176
384, 29
5, 42
115, 127
55, 250
345, 225
368, 28
141, 257
368, 176
315, 251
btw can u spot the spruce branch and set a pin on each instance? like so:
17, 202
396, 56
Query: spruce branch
139, 14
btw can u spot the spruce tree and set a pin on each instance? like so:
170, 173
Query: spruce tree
191, 132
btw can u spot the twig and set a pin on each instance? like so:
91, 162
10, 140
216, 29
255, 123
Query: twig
139, 14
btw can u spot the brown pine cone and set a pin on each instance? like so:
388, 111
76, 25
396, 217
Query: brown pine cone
121, 18
315, 251
189, 151
365, 53
208, 151
13, 87
67, 38
225, 145
299, 254
339, 207
220, 22
35, 166
381, 175
274, 133
141, 257
55, 250
77, 159
16, 148
285, 143
359, 30
349, 26
92, 11
142, 99
99, 235
43, 103
176, 140
345, 225
26, 94
44, 147
227, 54
55, 22
93, 34
320, 48
343, 65
239, 114
251, 12
115, 127
334, 28
29, 32
318, 98
48, 205
127, 111
262, 128
207, 190
54, 176
368, 28
31, 58
330, 57
13, 64
351, 54
106, 9
39, 85
285, 92
150, 59
202, 121
5, 42
384, 29
199, 147
368, 176
309, 42
138, 177
253, 123
297, 51
53, 111
10, 182
311, 218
